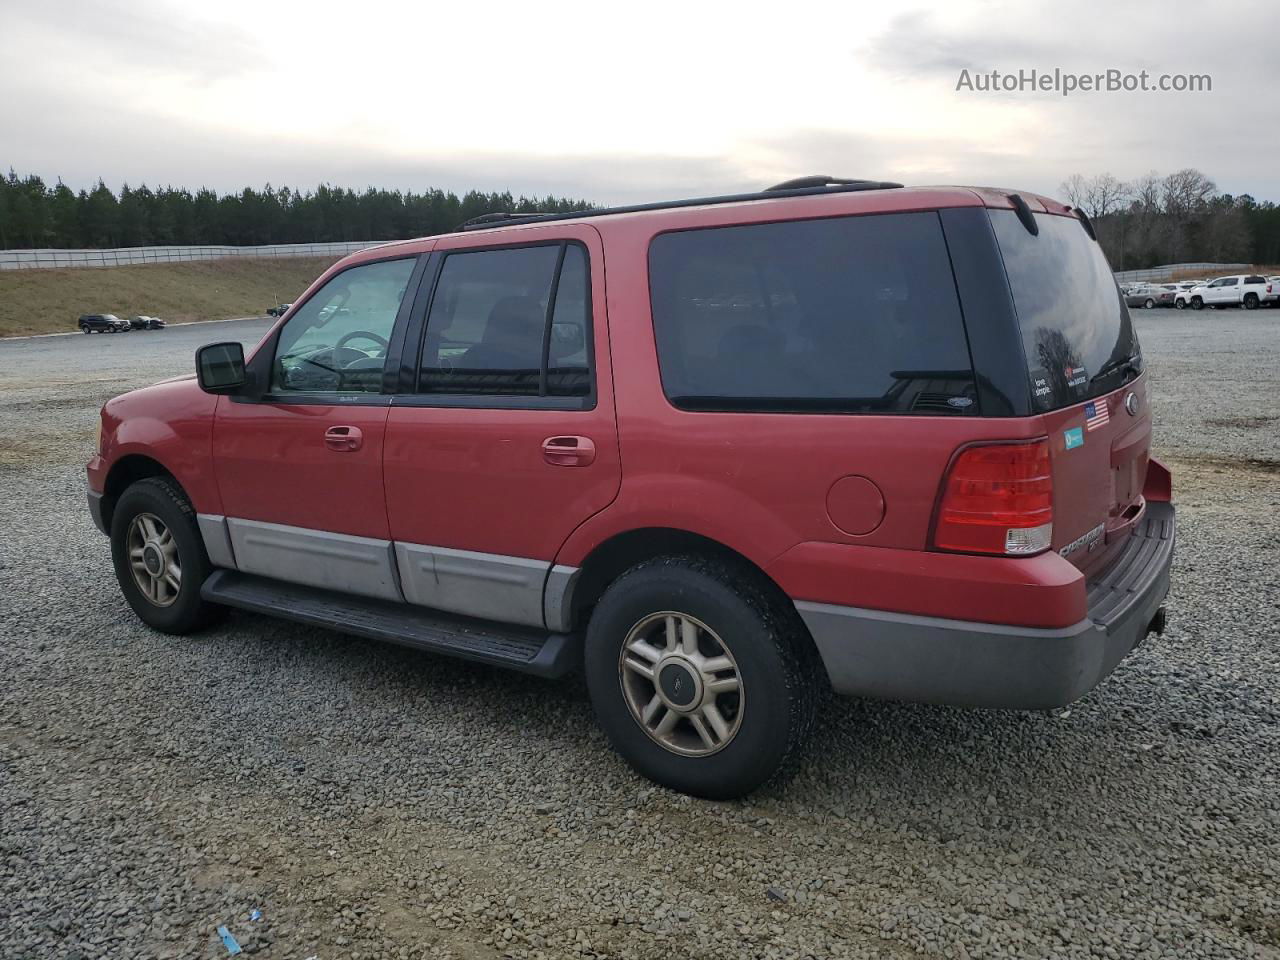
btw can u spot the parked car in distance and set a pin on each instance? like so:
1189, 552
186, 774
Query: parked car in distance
718, 498
1182, 293
146, 323
1249, 291
102, 323
1149, 295
278, 310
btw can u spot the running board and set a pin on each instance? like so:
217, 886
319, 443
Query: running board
530, 651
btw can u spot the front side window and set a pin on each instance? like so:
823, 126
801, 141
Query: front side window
512, 322
841, 315
337, 341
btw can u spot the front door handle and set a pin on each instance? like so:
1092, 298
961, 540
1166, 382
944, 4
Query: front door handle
343, 439
568, 451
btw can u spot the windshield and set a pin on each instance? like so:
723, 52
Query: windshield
1076, 330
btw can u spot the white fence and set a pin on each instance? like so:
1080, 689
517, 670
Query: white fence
128, 256
1167, 271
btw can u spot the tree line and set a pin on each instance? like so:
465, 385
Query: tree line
34, 214
1178, 218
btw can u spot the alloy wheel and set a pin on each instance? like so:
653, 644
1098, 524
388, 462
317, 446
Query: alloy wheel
681, 684
153, 559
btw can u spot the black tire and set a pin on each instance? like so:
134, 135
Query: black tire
163, 499
1251, 301
1197, 303
1180, 304
1150, 303
781, 676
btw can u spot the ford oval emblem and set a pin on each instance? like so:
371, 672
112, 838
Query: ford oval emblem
1131, 403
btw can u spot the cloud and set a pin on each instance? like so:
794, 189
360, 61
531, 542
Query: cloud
139, 37
240, 94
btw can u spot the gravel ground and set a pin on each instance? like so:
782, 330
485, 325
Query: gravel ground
378, 802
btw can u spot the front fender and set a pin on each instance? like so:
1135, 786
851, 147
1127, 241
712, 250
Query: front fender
170, 423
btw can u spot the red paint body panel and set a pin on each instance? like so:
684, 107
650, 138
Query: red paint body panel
476, 479
1097, 482
273, 465
169, 422
1039, 591
758, 483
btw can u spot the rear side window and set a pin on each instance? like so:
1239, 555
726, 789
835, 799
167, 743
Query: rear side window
849, 314
510, 322
1076, 331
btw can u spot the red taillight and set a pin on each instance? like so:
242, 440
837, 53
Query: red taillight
998, 498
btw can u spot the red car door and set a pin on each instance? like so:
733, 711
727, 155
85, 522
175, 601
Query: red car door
299, 469
505, 440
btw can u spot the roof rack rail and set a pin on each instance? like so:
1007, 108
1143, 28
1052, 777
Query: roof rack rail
807, 186
820, 180
488, 219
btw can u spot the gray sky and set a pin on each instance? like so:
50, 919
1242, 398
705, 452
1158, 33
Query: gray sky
651, 101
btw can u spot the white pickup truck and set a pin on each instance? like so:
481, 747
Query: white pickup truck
1243, 290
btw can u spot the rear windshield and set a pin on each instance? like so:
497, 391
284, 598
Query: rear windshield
841, 315
1076, 330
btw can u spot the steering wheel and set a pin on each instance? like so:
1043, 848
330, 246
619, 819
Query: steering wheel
356, 334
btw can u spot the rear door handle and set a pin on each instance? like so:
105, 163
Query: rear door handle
343, 439
568, 451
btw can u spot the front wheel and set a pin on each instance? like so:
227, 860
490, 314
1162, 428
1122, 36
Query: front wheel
159, 557
1197, 303
1150, 303
701, 678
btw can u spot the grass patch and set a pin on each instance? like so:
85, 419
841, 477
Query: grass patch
50, 301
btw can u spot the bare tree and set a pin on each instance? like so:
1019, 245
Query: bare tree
1185, 196
1186, 192
1146, 191
1104, 194
1096, 196
1073, 188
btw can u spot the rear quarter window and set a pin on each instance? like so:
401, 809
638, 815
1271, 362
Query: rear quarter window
840, 315
1074, 322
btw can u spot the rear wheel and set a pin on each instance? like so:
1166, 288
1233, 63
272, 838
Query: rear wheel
159, 557
1251, 301
701, 678
1180, 304
1197, 303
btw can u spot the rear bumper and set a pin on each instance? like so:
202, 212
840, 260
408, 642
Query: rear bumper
873, 653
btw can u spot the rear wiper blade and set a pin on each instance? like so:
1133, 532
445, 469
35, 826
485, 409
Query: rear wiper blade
1118, 363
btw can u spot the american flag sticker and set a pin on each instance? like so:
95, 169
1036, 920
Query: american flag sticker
1095, 415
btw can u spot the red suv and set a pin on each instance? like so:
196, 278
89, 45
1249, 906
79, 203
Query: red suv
721, 454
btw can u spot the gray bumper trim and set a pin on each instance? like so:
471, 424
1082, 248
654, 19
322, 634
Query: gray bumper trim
873, 653
217, 539
95, 511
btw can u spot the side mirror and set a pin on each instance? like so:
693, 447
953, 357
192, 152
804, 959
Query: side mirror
220, 367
